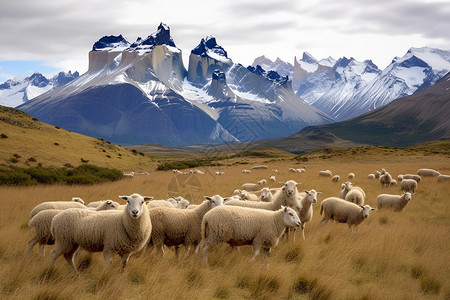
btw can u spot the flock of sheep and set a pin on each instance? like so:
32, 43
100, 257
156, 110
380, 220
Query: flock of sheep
254, 215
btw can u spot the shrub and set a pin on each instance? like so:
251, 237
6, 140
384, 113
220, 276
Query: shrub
3, 136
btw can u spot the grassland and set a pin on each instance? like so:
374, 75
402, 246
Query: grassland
389, 256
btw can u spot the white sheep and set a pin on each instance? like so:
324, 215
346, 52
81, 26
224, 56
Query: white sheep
395, 202
443, 177
262, 182
239, 226
272, 178
246, 171
261, 167
266, 195
336, 178
345, 188
371, 176
342, 211
385, 180
351, 175
428, 173
356, 195
41, 223
377, 174
161, 203
417, 178
326, 173
408, 185
128, 175
245, 195
292, 170
287, 196
307, 199
183, 204
400, 177
122, 232
75, 203
393, 182
173, 227
251, 186
220, 173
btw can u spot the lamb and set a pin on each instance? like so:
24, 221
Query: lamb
336, 178
122, 232
443, 177
307, 199
342, 211
177, 227
41, 223
239, 226
351, 175
326, 173
287, 196
408, 185
272, 178
428, 173
385, 179
266, 195
75, 203
395, 202
246, 171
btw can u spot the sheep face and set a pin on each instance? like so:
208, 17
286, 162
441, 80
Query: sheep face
366, 210
312, 195
215, 200
111, 205
78, 199
290, 187
290, 217
135, 204
408, 196
265, 194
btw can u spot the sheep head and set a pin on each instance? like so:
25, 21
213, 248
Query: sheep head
290, 217
135, 204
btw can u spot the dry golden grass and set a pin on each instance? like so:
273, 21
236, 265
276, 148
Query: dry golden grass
389, 256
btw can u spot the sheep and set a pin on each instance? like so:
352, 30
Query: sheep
245, 195
261, 167
301, 170
183, 204
351, 175
292, 170
272, 178
307, 199
122, 232
262, 182
443, 177
251, 186
239, 226
428, 173
396, 202
287, 196
342, 211
377, 174
335, 178
161, 203
400, 177
393, 182
246, 171
220, 173
177, 227
266, 195
326, 173
275, 171
371, 176
128, 175
408, 185
345, 188
385, 179
75, 203
41, 223
355, 195
417, 178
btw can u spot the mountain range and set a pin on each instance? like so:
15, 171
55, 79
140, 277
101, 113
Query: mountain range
140, 93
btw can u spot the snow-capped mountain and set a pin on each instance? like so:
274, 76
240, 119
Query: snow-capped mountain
14, 92
136, 93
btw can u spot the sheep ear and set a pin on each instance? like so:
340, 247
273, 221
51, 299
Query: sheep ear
284, 207
108, 202
298, 183
146, 198
372, 208
207, 198
124, 197
318, 193
361, 206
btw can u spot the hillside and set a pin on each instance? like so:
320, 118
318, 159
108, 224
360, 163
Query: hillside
24, 141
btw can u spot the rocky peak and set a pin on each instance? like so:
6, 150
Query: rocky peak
110, 43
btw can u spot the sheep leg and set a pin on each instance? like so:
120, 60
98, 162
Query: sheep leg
31, 244
108, 256
303, 230
41, 250
205, 255
197, 247
125, 259
186, 251
256, 250
70, 257
266, 252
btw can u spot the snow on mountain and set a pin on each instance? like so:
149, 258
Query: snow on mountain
19, 90
281, 67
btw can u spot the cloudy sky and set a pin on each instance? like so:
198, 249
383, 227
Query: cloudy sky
48, 36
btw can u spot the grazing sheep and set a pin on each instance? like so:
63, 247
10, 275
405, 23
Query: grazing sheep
183, 204
246, 171
287, 196
393, 182
220, 173
292, 170
351, 175
355, 195
75, 203
395, 202
443, 177
307, 199
272, 178
345, 188
385, 180
266, 195
173, 227
342, 211
336, 178
261, 167
122, 232
400, 177
262, 182
428, 173
417, 178
128, 175
408, 185
251, 186
239, 226
371, 176
326, 173
41, 223
245, 195
377, 174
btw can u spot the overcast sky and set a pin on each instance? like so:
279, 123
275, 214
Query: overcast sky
48, 36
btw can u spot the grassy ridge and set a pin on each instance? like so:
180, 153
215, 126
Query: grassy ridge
389, 256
